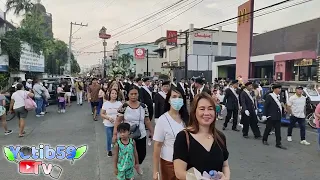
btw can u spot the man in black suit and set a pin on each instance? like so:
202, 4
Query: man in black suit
248, 112
182, 87
272, 115
159, 100
200, 87
231, 101
147, 96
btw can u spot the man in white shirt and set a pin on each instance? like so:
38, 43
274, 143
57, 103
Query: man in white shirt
296, 107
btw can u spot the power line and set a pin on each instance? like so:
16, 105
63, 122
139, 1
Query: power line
119, 35
148, 16
167, 21
224, 21
154, 14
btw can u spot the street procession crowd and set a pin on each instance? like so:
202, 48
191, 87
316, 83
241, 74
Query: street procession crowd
184, 114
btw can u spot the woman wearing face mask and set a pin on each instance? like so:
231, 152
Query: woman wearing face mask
201, 145
166, 130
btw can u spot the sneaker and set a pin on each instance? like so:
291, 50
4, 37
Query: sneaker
110, 154
289, 138
38, 115
272, 132
304, 142
59, 111
8, 132
42, 113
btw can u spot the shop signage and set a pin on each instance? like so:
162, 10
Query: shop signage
30, 60
202, 35
139, 53
103, 33
243, 16
304, 62
172, 38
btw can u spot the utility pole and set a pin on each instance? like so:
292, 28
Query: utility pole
147, 52
186, 56
70, 45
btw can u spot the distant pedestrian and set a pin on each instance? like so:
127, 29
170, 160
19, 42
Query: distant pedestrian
93, 97
109, 113
61, 102
17, 106
3, 115
272, 115
296, 107
126, 155
39, 96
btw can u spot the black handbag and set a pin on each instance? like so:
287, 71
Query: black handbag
135, 132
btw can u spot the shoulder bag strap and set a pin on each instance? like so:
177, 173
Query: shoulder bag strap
170, 126
187, 138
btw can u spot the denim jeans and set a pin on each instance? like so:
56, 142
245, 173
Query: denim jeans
302, 125
44, 106
319, 138
100, 106
39, 102
109, 133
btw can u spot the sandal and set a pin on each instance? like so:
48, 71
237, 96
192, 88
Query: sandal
21, 135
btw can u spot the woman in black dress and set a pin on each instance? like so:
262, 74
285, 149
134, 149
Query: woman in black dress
201, 145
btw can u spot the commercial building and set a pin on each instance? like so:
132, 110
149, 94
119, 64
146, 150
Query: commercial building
285, 54
4, 27
204, 47
138, 65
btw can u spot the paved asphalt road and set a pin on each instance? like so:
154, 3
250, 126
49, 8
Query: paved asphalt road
249, 159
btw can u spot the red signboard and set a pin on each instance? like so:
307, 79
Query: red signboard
172, 38
139, 53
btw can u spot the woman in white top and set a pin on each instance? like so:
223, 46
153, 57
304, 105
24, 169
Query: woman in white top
17, 105
109, 113
136, 114
167, 127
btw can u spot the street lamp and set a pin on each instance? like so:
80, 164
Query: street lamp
103, 35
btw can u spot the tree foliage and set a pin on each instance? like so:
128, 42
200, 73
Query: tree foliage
32, 30
121, 65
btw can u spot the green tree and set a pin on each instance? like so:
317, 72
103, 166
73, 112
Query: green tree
19, 6
124, 62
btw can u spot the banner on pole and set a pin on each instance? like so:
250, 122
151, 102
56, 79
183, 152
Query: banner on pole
172, 38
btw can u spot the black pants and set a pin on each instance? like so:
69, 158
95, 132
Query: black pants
150, 110
302, 125
141, 145
234, 113
276, 124
251, 121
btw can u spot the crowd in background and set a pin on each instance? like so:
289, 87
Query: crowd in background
184, 111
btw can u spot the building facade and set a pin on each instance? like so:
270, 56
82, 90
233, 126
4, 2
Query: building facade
285, 54
139, 65
204, 47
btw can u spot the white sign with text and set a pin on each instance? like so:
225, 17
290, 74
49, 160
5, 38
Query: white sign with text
30, 60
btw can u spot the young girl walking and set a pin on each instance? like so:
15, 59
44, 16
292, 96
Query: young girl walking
126, 155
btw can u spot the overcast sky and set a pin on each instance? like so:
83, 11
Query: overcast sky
116, 13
